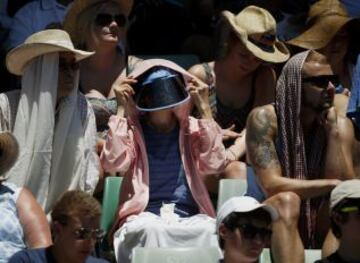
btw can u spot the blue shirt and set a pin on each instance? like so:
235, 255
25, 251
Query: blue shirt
167, 181
43, 255
34, 17
11, 231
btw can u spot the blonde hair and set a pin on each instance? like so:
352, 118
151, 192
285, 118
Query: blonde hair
85, 26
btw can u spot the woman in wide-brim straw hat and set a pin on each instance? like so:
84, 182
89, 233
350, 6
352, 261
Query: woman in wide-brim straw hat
242, 77
101, 26
23, 223
330, 30
52, 121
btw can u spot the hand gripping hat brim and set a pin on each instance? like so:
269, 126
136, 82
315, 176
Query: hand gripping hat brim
41, 43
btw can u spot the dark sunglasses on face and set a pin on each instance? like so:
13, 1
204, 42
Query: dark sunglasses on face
87, 233
106, 19
322, 81
249, 231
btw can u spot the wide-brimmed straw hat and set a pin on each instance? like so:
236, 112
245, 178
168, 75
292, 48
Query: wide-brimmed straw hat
9, 151
256, 28
325, 19
79, 6
41, 43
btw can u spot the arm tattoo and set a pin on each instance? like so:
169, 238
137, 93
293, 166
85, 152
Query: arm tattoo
261, 129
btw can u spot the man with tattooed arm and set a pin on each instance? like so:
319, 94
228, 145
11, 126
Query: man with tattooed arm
300, 144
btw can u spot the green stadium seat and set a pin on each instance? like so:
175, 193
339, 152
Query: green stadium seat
110, 201
229, 188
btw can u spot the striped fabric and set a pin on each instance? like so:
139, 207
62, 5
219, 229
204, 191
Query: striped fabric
299, 159
167, 178
353, 110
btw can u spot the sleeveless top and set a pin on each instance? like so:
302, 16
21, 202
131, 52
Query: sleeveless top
11, 231
226, 116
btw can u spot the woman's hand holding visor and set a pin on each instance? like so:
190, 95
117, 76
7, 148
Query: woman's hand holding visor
124, 92
199, 93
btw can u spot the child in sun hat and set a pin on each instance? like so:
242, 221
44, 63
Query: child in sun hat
163, 154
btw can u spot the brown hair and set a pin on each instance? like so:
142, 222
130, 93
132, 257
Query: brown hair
74, 204
225, 37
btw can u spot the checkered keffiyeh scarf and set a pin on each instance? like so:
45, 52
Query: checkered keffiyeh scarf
299, 158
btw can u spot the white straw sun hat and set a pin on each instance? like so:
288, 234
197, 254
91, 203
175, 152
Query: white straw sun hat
41, 43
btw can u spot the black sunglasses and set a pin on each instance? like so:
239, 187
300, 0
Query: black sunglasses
106, 19
249, 231
322, 81
87, 233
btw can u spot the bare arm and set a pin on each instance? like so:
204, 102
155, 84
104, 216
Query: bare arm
33, 220
340, 136
265, 86
261, 134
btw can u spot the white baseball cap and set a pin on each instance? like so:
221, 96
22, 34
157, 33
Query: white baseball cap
348, 189
243, 204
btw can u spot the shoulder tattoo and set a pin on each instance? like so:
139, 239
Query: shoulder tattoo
261, 131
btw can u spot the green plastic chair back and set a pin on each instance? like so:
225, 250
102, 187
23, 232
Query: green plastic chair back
265, 256
176, 255
110, 201
311, 255
229, 188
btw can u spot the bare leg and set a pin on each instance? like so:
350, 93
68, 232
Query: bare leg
234, 170
331, 244
286, 244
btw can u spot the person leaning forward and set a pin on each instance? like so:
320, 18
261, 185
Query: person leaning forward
300, 144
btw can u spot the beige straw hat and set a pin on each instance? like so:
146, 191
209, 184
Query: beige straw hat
256, 28
41, 43
78, 6
325, 19
9, 151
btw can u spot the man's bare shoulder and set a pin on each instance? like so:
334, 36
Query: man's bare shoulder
263, 119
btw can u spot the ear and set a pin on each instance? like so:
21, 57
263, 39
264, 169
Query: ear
56, 228
338, 218
223, 231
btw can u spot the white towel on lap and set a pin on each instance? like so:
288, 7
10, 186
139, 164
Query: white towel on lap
150, 230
